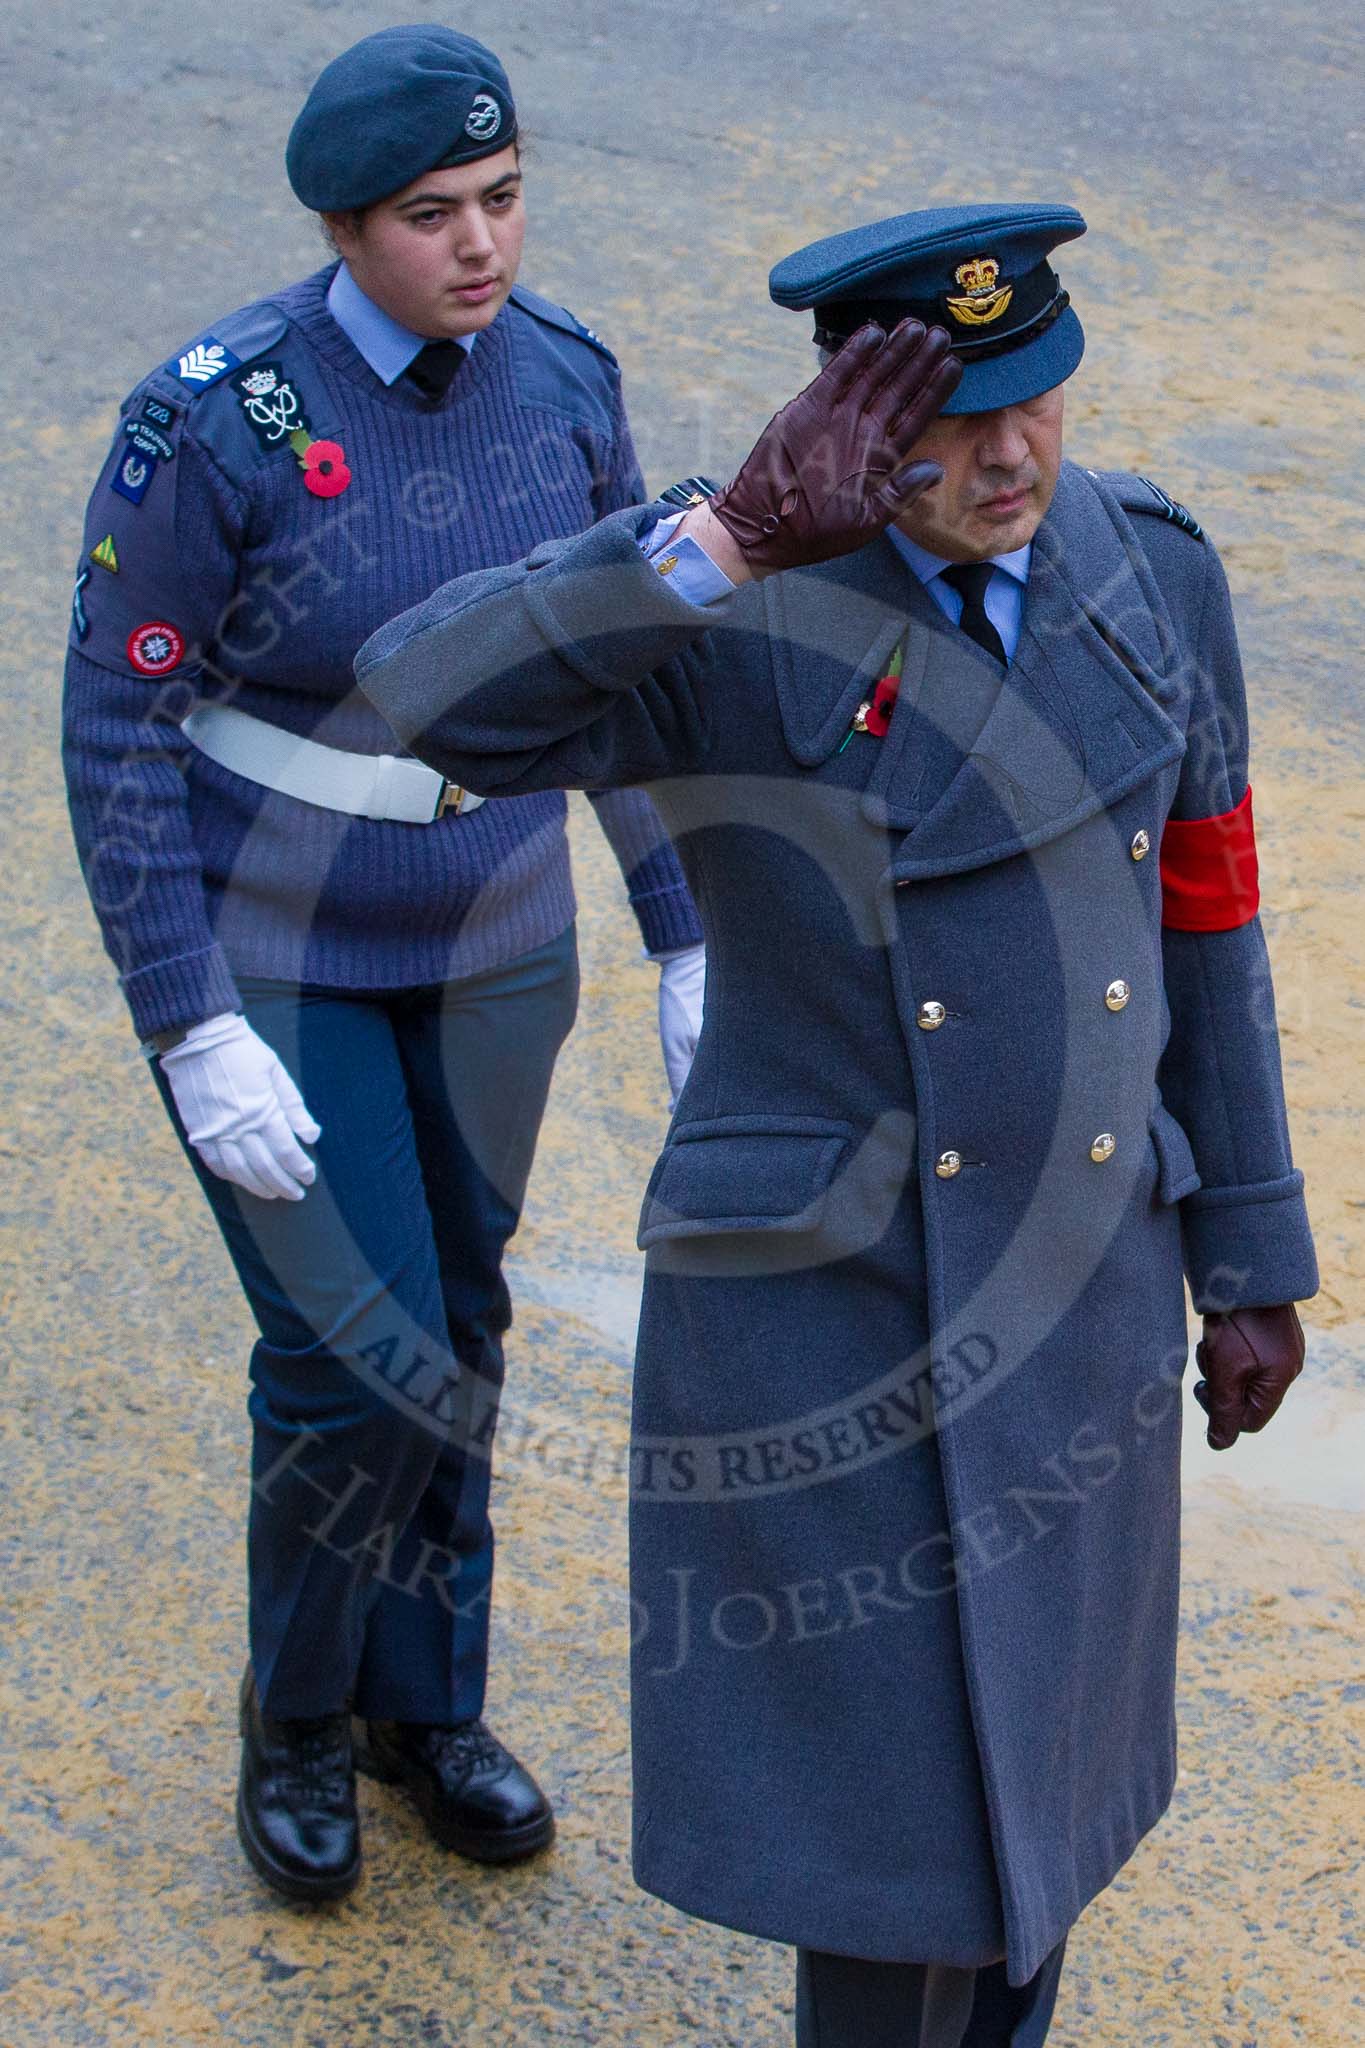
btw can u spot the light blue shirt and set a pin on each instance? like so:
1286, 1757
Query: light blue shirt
689, 569
1004, 593
387, 346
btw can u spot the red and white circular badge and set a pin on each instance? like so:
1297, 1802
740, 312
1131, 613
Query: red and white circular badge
156, 648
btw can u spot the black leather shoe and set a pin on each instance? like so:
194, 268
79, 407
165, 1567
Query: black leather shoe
296, 1813
471, 1792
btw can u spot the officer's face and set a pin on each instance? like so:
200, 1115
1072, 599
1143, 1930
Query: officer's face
441, 255
999, 473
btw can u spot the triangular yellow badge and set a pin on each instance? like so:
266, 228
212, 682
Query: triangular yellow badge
104, 554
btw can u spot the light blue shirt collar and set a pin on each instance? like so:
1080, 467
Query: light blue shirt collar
387, 346
927, 566
1004, 593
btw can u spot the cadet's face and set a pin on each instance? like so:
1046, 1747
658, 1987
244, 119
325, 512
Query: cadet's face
999, 473
441, 255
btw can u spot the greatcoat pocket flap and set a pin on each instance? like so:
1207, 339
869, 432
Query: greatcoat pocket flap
728, 1174
1179, 1176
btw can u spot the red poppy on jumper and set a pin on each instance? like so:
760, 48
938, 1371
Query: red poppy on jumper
324, 469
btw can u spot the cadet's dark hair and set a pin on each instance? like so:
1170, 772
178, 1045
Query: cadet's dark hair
354, 217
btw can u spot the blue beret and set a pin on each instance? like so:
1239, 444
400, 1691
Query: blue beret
401, 102
981, 272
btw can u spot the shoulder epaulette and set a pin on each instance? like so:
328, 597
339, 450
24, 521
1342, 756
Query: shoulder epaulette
262, 409
1151, 498
232, 341
557, 316
692, 490
1139, 494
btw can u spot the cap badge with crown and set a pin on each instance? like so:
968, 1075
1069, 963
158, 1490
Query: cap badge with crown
983, 302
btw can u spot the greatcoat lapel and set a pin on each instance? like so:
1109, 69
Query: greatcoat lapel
975, 769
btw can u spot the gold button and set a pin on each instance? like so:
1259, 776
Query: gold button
666, 564
947, 1164
1103, 1147
1116, 995
929, 1016
1141, 846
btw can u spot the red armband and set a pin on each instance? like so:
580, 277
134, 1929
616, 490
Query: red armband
1209, 877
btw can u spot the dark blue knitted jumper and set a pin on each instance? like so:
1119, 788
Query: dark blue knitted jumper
195, 872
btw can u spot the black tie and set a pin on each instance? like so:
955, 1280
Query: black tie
969, 580
433, 369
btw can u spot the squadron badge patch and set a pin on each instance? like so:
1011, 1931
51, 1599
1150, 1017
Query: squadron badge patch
270, 405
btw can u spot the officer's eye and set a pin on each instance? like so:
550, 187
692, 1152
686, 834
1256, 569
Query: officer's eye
429, 217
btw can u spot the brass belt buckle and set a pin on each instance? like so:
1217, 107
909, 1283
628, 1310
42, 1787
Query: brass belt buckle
452, 796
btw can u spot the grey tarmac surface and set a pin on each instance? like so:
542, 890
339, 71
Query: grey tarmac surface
677, 152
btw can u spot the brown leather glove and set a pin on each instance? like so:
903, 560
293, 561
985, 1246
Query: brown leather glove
830, 470
1249, 1358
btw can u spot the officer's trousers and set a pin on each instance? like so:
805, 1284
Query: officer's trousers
381, 1308
842, 2002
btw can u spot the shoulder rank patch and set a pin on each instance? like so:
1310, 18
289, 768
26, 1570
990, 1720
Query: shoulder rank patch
236, 339
1170, 509
203, 363
106, 554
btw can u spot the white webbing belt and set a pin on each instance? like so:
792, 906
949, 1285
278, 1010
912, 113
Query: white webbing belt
365, 785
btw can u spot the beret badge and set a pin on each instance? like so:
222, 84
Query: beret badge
484, 118
983, 301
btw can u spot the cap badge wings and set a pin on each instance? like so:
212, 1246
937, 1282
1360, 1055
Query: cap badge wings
983, 300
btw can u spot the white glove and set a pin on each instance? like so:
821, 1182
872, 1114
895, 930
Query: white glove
241, 1112
682, 993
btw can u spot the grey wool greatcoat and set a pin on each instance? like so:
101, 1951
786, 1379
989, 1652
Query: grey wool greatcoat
905, 1502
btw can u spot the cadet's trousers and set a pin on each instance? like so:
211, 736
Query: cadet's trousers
381, 1307
842, 2002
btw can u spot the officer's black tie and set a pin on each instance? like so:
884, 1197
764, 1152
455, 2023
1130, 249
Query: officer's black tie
433, 369
969, 580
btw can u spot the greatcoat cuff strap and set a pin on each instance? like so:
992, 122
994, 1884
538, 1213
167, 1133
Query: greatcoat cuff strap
1248, 1246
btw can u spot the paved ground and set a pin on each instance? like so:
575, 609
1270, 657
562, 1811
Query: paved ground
678, 151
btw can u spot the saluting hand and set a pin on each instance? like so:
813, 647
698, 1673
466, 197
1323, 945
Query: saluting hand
241, 1111
1250, 1358
832, 469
